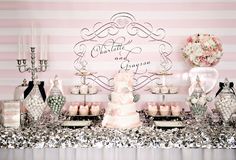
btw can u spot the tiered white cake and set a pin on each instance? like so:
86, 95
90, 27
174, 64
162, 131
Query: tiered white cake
121, 111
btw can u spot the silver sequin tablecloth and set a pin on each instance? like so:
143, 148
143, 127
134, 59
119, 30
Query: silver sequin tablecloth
194, 135
202, 139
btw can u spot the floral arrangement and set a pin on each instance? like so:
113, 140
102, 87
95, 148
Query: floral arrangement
203, 50
198, 100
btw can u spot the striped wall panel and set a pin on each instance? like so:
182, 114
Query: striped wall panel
62, 21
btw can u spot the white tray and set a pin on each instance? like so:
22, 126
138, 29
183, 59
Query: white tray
76, 123
169, 124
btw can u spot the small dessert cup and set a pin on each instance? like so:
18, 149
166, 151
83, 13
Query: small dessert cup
152, 109
164, 110
73, 110
83, 110
83, 89
175, 110
95, 109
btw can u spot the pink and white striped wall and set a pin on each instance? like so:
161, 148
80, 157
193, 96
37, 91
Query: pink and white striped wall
62, 20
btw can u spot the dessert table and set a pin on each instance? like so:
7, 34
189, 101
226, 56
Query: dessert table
197, 140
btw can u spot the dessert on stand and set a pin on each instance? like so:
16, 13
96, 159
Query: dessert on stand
164, 114
83, 113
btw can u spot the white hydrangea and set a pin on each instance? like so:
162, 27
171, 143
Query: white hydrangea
211, 59
219, 54
194, 100
202, 101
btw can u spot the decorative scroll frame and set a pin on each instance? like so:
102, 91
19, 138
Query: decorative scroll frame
123, 21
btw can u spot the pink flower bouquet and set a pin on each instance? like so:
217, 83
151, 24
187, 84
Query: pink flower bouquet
203, 50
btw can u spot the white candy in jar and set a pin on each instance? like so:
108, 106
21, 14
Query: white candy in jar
225, 105
35, 105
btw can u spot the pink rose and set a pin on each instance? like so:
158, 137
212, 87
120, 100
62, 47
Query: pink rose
189, 40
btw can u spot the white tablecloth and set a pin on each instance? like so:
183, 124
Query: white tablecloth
117, 154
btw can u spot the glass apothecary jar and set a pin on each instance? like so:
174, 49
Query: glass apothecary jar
198, 100
56, 99
225, 100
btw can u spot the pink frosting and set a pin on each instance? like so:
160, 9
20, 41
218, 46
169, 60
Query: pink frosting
123, 80
164, 108
152, 107
95, 109
175, 108
83, 110
73, 109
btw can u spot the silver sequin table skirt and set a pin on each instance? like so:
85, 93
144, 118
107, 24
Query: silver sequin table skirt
117, 154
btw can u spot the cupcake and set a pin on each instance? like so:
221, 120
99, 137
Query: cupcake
73, 110
164, 89
83, 89
175, 110
92, 89
173, 90
152, 109
83, 110
155, 89
75, 90
164, 110
95, 109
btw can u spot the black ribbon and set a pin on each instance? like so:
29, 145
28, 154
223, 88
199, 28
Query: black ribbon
222, 85
30, 87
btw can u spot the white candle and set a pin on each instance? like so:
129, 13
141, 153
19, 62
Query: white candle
23, 47
32, 35
41, 47
46, 48
19, 47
